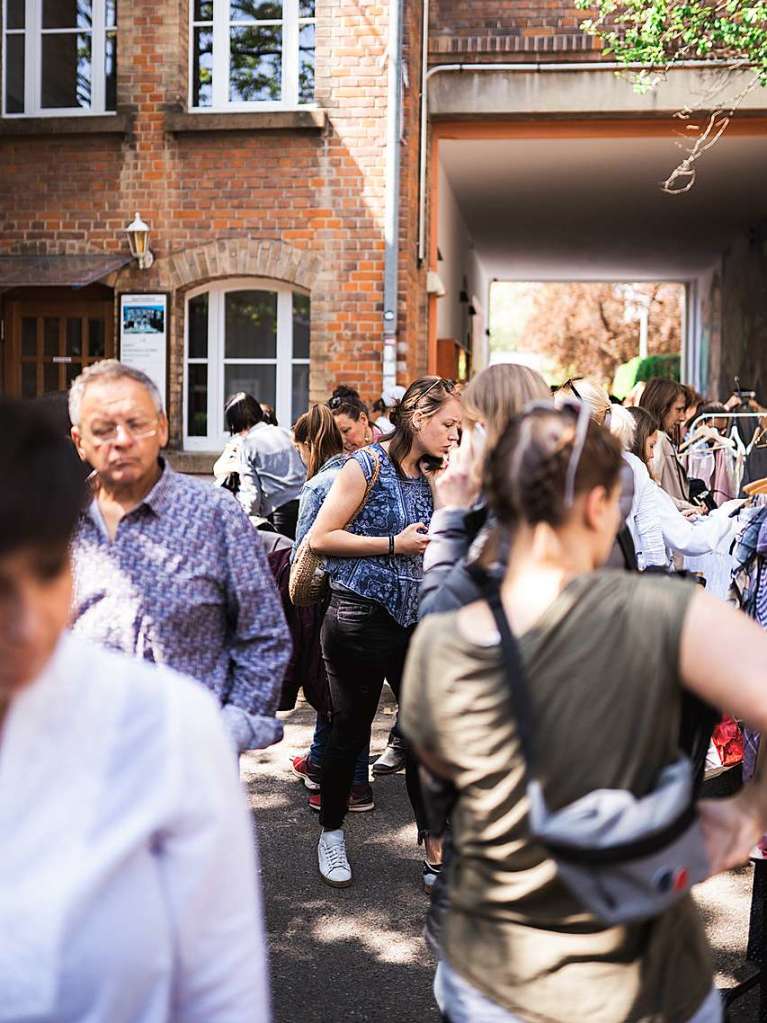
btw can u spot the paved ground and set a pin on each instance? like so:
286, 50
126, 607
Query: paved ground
357, 955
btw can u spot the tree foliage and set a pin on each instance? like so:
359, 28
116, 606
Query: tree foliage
661, 34
589, 329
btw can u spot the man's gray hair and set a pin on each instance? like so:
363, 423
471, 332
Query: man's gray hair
107, 369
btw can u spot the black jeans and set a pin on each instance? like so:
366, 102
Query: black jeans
362, 645
285, 518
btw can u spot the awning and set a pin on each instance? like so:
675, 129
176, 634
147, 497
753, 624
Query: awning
58, 271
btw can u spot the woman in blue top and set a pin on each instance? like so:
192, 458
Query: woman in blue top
375, 568
319, 442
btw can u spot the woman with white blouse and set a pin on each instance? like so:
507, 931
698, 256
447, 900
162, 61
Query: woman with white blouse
658, 528
129, 871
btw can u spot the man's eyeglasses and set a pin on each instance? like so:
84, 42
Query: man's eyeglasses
136, 428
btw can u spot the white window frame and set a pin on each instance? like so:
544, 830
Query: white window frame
33, 33
220, 103
284, 360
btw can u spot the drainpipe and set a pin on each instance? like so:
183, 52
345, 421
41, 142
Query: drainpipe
392, 192
427, 73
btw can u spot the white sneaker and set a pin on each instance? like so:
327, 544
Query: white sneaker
333, 862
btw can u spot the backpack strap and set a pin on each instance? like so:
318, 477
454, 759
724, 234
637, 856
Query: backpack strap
515, 677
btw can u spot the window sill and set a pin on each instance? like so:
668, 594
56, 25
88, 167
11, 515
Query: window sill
86, 124
194, 463
260, 120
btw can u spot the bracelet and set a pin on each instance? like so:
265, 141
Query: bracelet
391, 546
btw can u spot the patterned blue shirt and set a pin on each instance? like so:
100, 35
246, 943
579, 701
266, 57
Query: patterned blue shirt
394, 502
185, 583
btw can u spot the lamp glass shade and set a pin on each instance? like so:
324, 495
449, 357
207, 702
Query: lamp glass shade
138, 237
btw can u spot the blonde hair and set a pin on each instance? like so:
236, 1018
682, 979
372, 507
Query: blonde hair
614, 418
499, 393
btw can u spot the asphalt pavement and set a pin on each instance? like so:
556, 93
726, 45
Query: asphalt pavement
356, 955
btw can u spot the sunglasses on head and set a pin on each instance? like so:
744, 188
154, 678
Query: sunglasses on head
580, 412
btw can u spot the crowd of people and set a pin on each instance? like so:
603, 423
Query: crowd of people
511, 559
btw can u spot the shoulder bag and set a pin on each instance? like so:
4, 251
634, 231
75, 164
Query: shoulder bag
308, 583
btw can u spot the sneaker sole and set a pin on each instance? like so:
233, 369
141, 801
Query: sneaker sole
335, 884
387, 770
313, 786
351, 809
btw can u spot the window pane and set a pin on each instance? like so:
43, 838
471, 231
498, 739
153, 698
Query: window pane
255, 10
50, 377
29, 337
300, 394
301, 317
96, 339
14, 74
73, 370
67, 13
28, 380
202, 68
51, 336
255, 72
66, 70
306, 64
110, 71
203, 10
111, 13
197, 400
251, 325
74, 337
15, 12
256, 380
306, 8
198, 327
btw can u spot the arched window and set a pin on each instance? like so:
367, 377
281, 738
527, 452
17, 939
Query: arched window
243, 335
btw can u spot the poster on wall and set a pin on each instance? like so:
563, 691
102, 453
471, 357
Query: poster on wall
144, 336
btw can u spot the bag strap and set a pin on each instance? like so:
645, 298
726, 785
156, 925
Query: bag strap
374, 474
516, 678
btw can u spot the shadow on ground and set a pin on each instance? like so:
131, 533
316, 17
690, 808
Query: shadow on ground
357, 954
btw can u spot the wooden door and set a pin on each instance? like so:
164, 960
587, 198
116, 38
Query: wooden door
49, 343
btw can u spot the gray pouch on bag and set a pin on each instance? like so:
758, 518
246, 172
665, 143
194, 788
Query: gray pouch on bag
624, 858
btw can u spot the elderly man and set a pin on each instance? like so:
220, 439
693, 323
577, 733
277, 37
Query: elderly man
167, 567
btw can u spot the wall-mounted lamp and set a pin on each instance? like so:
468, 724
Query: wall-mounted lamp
138, 239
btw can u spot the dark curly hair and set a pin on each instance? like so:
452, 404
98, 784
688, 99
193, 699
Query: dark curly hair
526, 474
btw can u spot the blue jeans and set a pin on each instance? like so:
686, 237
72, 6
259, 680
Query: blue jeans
460, 1002
320, 744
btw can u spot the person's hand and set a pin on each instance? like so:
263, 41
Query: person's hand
731, 828
691, 513
457, 486
732, 402
412, 540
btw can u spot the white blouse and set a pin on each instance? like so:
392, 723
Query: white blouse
128, 867
658, 527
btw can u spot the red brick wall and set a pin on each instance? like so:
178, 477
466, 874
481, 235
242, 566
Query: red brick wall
321, 193
508, 30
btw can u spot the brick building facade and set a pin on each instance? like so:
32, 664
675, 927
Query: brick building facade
253, 136
272, 189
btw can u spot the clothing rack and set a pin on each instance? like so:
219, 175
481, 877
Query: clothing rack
744, 449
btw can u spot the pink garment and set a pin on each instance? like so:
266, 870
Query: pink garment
723, 482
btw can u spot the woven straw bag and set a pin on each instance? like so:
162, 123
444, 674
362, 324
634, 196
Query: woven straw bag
308, 581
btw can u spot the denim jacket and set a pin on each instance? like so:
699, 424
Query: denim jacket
313, 496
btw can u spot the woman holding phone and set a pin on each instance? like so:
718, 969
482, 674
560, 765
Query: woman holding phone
372, 530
